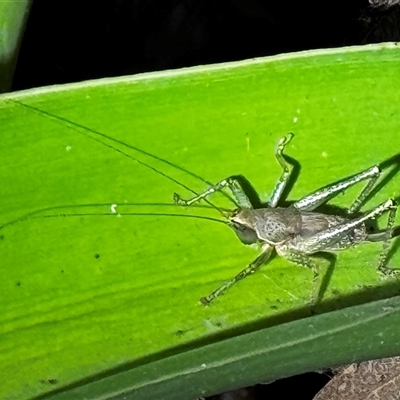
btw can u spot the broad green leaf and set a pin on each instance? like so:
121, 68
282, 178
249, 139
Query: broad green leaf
105, 304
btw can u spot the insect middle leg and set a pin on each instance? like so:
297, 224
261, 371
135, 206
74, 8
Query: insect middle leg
323, 195
304, 260
250, 269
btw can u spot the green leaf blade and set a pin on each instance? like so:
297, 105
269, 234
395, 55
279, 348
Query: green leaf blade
89, 296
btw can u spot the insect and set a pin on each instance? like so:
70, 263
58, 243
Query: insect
298, 231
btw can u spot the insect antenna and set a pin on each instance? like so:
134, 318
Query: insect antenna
46, 212
95, 135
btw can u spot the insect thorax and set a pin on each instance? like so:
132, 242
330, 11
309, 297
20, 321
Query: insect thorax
271, 225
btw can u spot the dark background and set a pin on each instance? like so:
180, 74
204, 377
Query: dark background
70, 41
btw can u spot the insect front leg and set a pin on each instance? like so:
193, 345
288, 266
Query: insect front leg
250, 269
236, 183
233, 183
323, 195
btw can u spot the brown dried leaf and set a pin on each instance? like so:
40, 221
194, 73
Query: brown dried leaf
369, 380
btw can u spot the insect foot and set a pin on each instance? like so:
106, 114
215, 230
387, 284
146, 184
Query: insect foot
179, 201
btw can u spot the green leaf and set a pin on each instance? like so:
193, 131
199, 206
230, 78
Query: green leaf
13, 16
104, 304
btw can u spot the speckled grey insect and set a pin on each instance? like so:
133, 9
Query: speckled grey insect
297, 231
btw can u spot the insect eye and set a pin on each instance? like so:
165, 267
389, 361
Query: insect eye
244, 233
239, 227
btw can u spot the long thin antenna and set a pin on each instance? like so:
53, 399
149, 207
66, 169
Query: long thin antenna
42, 212
83, 131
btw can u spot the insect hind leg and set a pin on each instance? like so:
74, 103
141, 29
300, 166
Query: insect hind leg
386, 236
326, 240
323, 195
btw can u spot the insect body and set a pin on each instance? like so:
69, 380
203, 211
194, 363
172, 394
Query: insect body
298, 231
